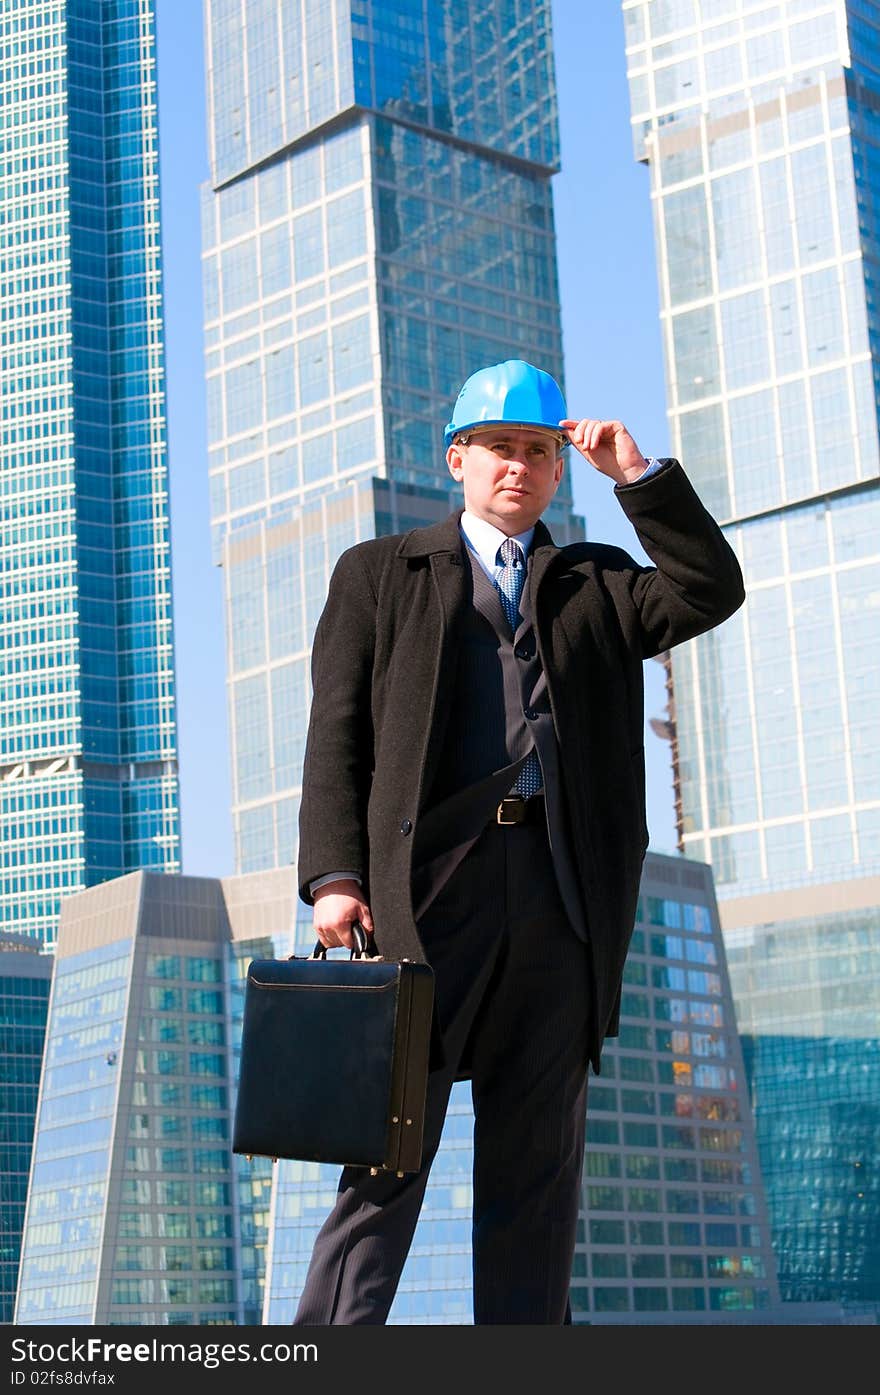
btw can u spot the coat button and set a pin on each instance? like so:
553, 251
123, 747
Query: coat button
524, 651
530, 714
406, 826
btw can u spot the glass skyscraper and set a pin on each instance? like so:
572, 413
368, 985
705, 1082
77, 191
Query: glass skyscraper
760, 125
137, 1212
25, 977
87, 712
675, 1218
378, 225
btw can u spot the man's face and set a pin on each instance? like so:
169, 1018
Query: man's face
509, 474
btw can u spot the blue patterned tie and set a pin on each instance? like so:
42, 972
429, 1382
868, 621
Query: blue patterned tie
509, 579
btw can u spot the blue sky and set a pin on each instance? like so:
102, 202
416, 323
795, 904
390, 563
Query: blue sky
613, 368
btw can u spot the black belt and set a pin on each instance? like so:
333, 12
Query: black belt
514, 809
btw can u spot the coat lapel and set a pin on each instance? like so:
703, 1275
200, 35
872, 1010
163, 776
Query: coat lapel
543, 554
443, 548
487, 599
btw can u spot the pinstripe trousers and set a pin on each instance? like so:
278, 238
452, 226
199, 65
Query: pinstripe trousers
512, 997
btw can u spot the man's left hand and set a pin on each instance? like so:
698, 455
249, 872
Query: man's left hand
609, 448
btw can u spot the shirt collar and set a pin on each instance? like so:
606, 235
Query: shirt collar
485, 539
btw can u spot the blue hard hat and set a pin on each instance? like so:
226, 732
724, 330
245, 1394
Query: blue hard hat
512, 392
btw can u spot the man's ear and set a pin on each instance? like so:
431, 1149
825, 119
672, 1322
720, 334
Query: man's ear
455, 461
560, 466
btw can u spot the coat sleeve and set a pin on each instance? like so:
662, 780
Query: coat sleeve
338, 762
696, 581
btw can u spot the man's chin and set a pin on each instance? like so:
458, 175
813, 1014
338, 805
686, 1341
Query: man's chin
520, 504
513, 521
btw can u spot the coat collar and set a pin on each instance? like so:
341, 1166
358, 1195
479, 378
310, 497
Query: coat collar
439, 537
543, 554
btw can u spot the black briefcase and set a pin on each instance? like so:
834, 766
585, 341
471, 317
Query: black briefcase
334, 1060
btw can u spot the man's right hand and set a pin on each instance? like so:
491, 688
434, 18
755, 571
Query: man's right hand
337, 906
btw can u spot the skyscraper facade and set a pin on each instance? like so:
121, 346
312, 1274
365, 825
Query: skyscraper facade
25, 977
87, 712
137, 1212
674, 1214
378, 225
759, 125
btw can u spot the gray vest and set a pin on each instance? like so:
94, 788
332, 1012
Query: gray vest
499, 708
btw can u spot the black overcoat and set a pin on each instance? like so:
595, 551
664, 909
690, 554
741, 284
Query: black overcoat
383, 666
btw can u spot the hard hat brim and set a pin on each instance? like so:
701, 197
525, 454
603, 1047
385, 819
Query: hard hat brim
452, 431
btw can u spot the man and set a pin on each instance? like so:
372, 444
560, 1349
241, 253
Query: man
473, 794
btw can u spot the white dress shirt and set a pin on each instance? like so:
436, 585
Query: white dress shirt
484, 540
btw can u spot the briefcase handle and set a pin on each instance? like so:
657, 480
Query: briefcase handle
365, 946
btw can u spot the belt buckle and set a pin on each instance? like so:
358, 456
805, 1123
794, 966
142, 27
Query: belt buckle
514, 805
